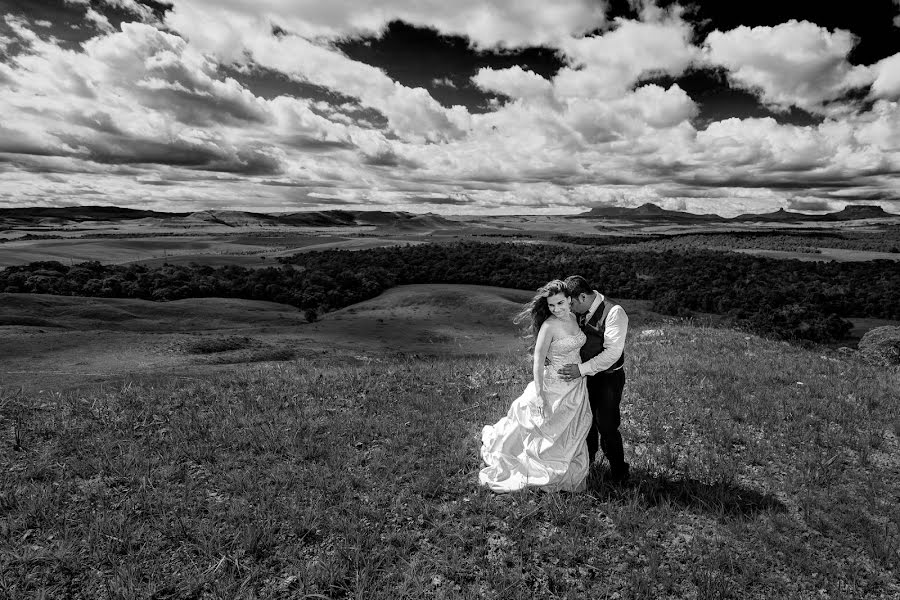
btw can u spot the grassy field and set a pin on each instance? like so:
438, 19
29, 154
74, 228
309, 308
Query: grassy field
64, 342
211, 248
760, 471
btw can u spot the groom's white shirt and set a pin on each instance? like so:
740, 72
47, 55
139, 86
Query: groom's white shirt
613, 338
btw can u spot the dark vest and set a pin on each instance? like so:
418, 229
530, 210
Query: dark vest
594, 330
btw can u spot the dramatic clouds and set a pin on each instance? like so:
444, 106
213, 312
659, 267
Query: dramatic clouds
166, 110
500, 23
792, 64
887, 78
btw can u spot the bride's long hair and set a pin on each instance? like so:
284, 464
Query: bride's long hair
537, 310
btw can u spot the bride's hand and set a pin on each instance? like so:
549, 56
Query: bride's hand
539, 403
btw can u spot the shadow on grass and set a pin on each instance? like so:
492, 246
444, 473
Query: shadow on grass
718, 498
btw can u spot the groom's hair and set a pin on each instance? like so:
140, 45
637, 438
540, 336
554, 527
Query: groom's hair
577, 285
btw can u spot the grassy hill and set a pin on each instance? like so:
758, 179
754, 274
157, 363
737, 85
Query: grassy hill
128, 314
12, 217
760, 471
427, 318
63, 342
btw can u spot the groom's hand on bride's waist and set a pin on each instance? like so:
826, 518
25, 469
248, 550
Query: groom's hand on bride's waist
569, 372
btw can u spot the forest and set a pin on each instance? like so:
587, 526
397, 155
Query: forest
788, 240
784, 299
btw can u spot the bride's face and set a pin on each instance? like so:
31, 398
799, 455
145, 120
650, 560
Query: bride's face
559, 304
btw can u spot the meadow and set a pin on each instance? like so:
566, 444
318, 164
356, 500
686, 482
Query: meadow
212, 247
233, 447
52, 342
760, 470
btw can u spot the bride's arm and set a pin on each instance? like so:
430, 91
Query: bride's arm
541, 347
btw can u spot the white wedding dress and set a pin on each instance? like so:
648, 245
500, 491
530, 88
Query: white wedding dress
524, 449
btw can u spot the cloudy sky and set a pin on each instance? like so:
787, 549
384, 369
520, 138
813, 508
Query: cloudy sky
471, 106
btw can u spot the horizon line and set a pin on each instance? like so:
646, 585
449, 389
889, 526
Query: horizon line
574, 213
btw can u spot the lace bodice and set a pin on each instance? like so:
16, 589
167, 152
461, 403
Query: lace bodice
564, 351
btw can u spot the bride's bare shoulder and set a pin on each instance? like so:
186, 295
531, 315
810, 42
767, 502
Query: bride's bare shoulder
562, 327
554, 325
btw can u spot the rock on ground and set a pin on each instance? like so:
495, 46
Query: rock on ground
881, 345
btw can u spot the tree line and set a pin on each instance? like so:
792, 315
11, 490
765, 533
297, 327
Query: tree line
781, 298
788, 240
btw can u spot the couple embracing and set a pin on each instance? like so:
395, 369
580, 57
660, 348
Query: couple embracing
552, 432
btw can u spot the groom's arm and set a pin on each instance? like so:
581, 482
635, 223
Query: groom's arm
613, 343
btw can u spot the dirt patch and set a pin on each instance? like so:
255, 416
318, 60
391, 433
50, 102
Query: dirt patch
213, 345
262, 354
233, 349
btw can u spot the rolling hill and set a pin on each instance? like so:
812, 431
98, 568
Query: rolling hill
398, 220
30, 216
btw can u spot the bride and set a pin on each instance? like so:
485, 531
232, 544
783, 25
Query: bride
541, 442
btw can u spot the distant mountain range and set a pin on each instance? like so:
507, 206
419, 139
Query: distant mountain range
649, 212
18, 217
396, 220
652, 212
82, 213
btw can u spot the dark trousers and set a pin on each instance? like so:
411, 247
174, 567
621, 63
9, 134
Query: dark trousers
605, 395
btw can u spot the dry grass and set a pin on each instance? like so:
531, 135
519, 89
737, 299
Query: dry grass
760, 471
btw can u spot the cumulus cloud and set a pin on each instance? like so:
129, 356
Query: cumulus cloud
231, 36
887, 78
514, 82
131, 6
588, 102
5, 41
99, 21
761, 153
19, 26
879, 130
142, 95
607, 65
659, 107
592, 101
630, 118
498, 23
797, 63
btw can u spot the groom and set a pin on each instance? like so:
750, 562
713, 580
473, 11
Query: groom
602, 361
